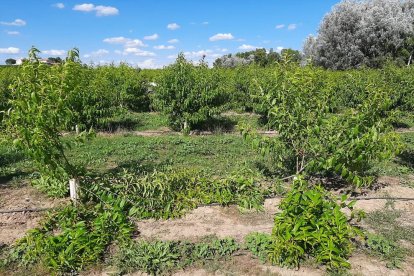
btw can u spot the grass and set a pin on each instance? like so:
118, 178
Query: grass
217, 154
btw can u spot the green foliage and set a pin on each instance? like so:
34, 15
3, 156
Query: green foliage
386, 249
260, 245
312, 224
172, 193
315, 140
159, 257
70, 239
189, 94
38, 111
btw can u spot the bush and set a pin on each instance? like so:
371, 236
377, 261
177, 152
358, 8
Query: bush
315, 140
312, 224
190, 94
70, 239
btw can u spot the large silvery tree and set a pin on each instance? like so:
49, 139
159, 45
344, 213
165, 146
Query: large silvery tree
363, 33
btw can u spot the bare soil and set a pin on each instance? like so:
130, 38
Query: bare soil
14, 225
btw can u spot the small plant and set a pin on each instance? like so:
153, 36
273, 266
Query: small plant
386, 249
160, 257
260, 245
312, 224
170, 194
70, 239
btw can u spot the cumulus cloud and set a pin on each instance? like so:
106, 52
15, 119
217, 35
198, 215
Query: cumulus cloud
54, 52
248, 47
17, 22
9, 51
127, 42
172, 41
13, 33
292, 27
59, 5
280, 48
148, 64
98, 53
280, 26
151, 37
221, 36
173, 26
138, 52
99, 10
164, 47
198, 54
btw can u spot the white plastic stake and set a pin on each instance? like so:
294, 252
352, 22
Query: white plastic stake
73, 188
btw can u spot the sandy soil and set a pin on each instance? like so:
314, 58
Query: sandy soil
14, 225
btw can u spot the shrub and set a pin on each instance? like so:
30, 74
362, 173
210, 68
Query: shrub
189, 94
70, 239
311, 223
314, 140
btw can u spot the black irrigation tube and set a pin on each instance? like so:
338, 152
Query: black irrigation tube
31, 210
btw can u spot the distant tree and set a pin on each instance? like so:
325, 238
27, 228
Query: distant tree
55, 60
261, 57
10, 61
363, 33
291, 55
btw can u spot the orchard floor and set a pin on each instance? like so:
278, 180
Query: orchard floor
221, 222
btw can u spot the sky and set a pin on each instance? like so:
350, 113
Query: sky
151, 33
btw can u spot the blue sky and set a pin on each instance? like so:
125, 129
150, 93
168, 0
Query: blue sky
150, 33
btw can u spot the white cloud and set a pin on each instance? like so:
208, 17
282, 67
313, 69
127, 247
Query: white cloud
59, 5
221, 36
173, 26
172, 41
292, 27
148, 64
99, 10
9, 51
205, 23
138, 52
280, 48
248, 47
127, 42
151, 37
54, 52
280, 26
13, 33
198, 54
164, 47
17, 22
98, 53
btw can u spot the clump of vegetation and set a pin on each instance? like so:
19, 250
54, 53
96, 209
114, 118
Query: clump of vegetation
389, 235
159, 257
260, 245
386, 249
170, 194
190, 94
312, 224
314, 140
71, 239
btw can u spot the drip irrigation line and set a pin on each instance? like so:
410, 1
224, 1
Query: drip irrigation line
32, 210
